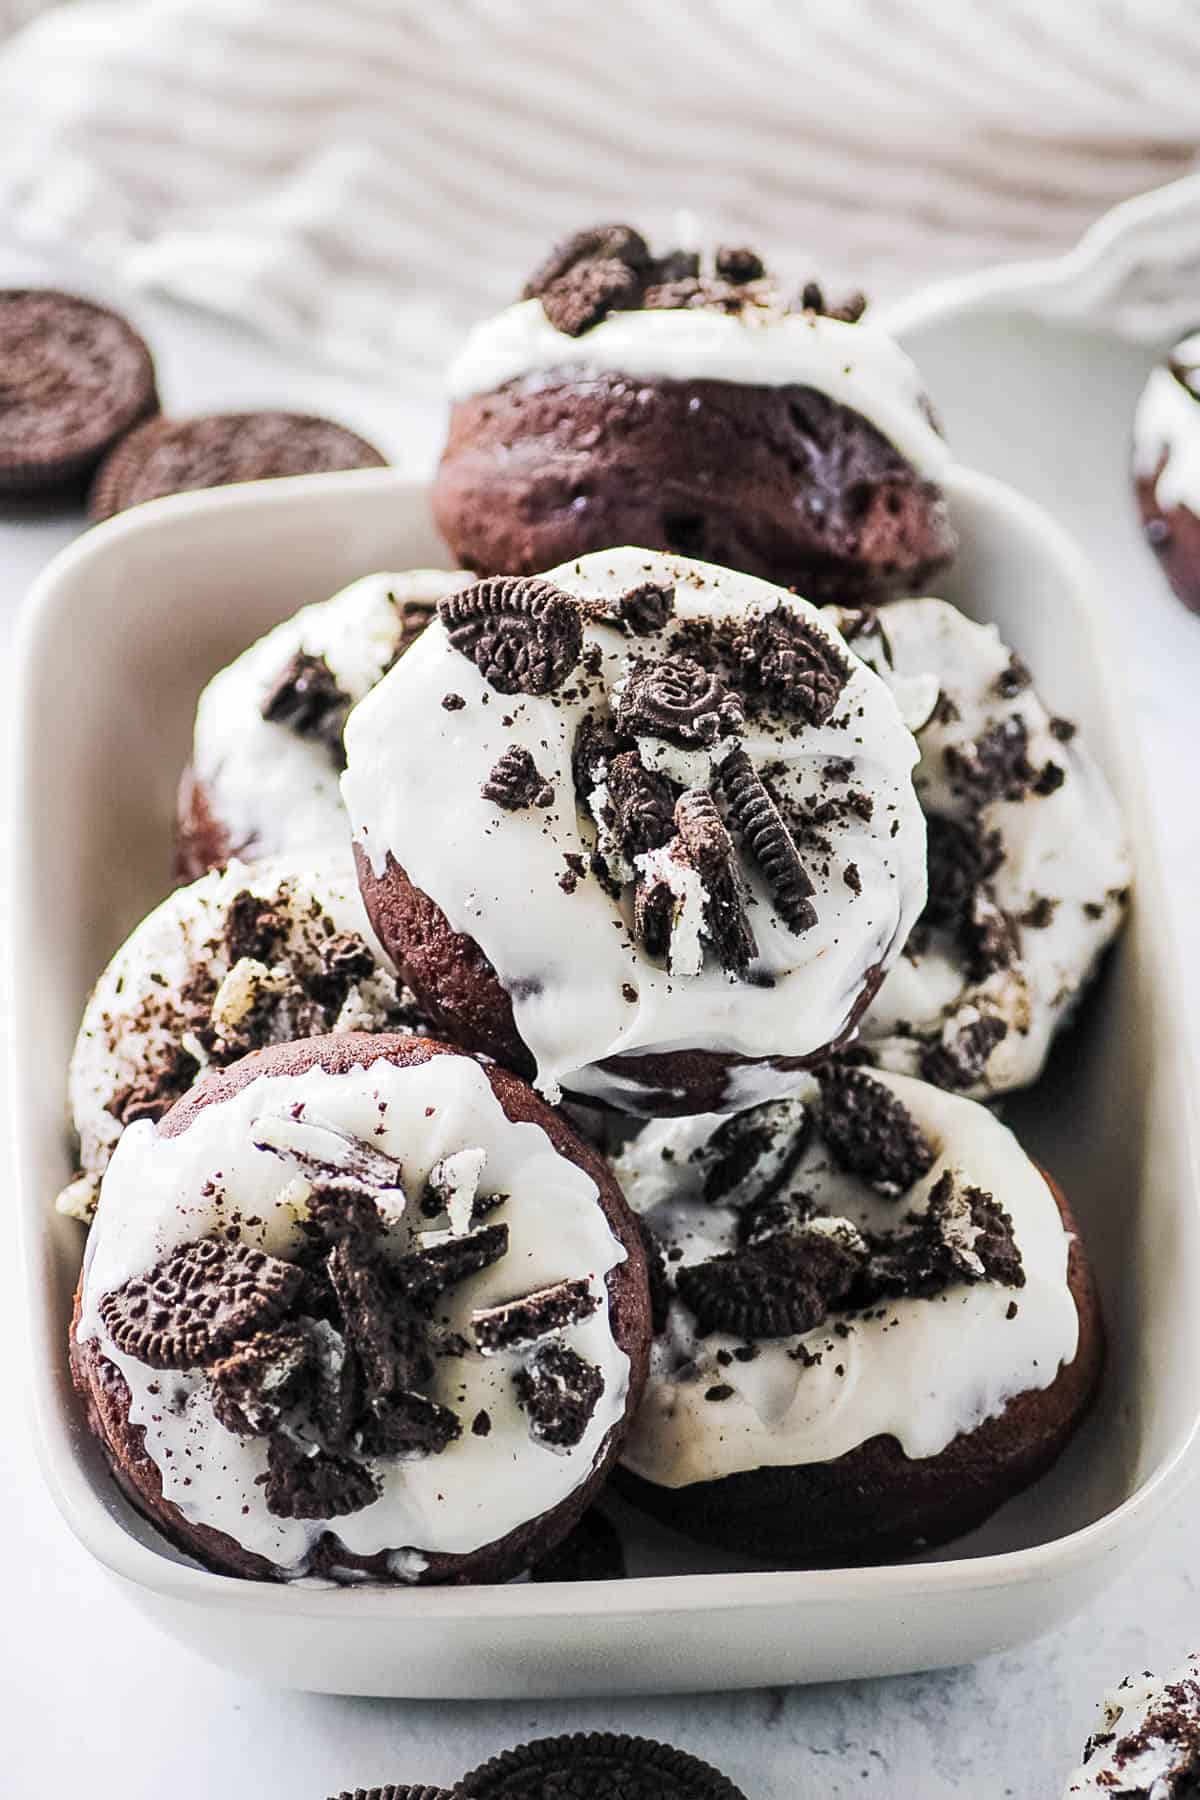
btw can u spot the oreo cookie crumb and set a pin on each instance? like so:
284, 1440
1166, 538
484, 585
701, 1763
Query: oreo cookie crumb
252, 928
306, 698
588, 292
407, 1424
641, 806
300, 1484
558, 1391
751, 1154
737, 264
254, 1385
869, 1132
519, 1324
958, 1062
675, 699
515, 782
782, 1286
453, 702
790, 665
598, 243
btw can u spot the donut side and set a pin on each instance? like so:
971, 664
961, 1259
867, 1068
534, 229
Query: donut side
1173, 533
777, 481
875, 1504
107, 1398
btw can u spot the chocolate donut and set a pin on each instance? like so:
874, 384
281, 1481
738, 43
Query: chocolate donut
252, 954
361, 1309
632, 400
1028, 867
641, 828
267, 748
1166, 466
1146, 1744
874, 1321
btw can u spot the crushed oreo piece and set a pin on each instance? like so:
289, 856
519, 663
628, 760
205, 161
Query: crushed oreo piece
255, 1384
963, 1236
515, 782
767, 841
961, 857
156, 1090
407, 1424
710, 851
307, 699
523, 634
338, 1391
767, 1218
958, 1060
751, 1154
312, 1484
645, 609
786, 1283
790, 665
558, 1391
194, 1304
674, 698
656, 1274
389, 1339
520, 1324
869, 1132
591, 1551
328, 1157
997, 766
811, 299
588, 292
1013, 679
654, 907
252, 927
598, 243
424, 1274
737, 264
641, 806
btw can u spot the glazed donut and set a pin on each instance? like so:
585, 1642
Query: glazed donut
641, 829
1146, 1745
1166, 466
1028, 867
873, 1321
267, 747
252, 954
363, 1310
628, 399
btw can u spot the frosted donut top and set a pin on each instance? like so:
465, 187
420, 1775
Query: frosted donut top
489, 1408
267, 745
1028, 866
870, 1256
1146, 1745
251, 954
605, 839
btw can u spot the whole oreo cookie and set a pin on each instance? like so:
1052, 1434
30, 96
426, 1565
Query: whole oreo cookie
600, 1764
173, 456
75, 377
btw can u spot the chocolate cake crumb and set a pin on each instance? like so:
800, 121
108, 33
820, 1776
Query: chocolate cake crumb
515, 782
869, 1132
524, 635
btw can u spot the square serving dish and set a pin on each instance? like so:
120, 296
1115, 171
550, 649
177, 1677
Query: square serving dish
119, 635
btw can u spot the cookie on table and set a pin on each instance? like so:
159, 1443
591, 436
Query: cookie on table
641, 828
1166, 466
1146, 1745
601, 1765
175, 456
364, 1310
634, 399
252, 954
1029, 869
267, 747
75, 378
874, 1321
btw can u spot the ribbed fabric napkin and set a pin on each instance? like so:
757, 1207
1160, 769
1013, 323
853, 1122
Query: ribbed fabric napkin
365, 177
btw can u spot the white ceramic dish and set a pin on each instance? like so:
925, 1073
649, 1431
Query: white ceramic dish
119, 634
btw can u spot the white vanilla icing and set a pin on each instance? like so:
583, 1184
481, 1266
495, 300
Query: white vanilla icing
1065, 848
858, 366
582, 987
164, 1192
1166, 430
920, 1370
1134, 1752
137, 1018
267, 787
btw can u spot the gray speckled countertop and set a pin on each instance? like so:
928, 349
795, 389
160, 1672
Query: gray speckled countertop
94, 1701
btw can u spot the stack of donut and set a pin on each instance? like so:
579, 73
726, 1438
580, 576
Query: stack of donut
574, 1056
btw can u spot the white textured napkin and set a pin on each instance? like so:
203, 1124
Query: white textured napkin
364, 177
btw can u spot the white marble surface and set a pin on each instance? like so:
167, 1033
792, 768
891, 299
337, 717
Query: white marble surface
93, 1700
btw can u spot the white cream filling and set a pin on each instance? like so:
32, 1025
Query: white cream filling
858, 366
582, 988
154, 1199
1067, 847
269, 788
922, 1371
1166, 429
1154, 1770
131, 1021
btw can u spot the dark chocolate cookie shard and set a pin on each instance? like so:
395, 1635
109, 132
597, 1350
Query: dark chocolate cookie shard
407, 1424
869, 1132
674, 698
252, 927
641, 806
710, 851
174, 456
591, 1551
523, 634
303, 1482
597, 243
964, 1236
389, 1338
596, 1766
558, 1391
642, 611
588, 292
791, 666
515, 782
74, 378
424, 1274
734, 262
520, 1324
768, 842
193, 1305
656, 1274
959, 1062
256, 1384
997, 766
787, 1282
306, 698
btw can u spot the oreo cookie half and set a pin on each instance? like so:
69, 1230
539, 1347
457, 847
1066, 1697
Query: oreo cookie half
75, 377
173, 456
601, 1765
392, 1792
